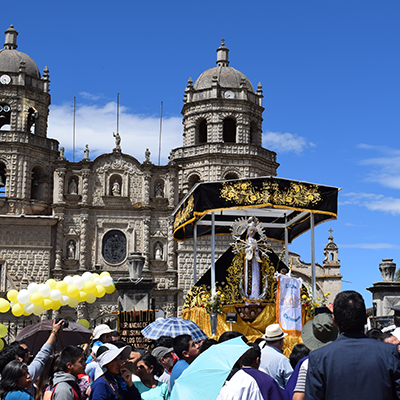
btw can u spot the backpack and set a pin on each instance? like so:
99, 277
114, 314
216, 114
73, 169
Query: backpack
77, 396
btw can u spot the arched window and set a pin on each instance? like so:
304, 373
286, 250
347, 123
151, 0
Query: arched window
32, 116
231, 175
229, 130
203, 131
5, 117
37, 184
193, 180
253, 132
3, 179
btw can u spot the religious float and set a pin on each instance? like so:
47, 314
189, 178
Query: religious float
249, 279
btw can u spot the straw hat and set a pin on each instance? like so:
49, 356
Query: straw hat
274, 332
319, 332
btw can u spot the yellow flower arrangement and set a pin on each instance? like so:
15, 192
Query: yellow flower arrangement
311, 304
212, 304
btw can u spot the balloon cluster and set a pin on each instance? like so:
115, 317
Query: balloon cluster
52, 295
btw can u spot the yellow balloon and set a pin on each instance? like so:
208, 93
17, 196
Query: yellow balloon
73, 302
91, 298
52, 283
36, 298
26, 314
95, 275
56, 305
38, 310
83, 322
62, 287
104, 273
82, 296
4, 306
100, 291
17, 310
47, 304
12, 295
89, 287
3, 330
110, 289
1, 344
72, 291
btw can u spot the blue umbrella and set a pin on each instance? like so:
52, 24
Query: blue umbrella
205, 376
173, 327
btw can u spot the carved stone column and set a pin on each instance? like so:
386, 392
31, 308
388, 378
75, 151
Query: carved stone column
171, 245
171, 191
81, 311
146, 188
83, 237
60, 186
146, 242
59, 242
169, 310
85, 185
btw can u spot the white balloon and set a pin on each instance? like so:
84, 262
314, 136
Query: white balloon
29, 307
87, 276
106, 280
33, 288
79, 282
55, 295
68, 279
23, 296
45, 290
96, 280
64, 299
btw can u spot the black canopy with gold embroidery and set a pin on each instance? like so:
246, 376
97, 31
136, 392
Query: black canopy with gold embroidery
279, 204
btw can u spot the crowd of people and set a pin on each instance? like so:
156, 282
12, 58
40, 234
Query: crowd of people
335, 361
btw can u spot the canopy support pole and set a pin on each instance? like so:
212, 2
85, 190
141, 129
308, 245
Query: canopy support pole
313, 272
286, 243
213, 290
194, 253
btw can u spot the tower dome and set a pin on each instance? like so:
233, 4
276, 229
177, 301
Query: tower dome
11, 58
227, 77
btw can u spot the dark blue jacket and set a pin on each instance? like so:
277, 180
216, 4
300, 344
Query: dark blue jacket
108, 389
354, 367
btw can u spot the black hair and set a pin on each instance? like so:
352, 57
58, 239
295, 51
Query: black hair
9, 377
299, 351
69, 355
207, 344
349, 311
396, 320
251, 355
8, 354
181, 344
231, 335
165, 341
374, 333
119, 343
151, 361
115, 333
101, 350
385, 335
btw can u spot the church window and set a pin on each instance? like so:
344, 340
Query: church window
202, 132
253, 132
37, 184
5, 117
193, 180
3, 179
32, 116
229, 130
114, 247
231, 175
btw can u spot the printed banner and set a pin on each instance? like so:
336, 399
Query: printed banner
288, 304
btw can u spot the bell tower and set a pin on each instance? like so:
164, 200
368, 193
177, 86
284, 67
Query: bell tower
222, 128
26, 154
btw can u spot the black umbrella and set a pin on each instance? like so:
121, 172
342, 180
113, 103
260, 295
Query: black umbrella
36, 335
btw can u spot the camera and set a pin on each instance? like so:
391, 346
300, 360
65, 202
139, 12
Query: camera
65, 322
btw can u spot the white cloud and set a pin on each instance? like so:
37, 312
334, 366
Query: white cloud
285, 142
370, 246
95, 126
374, 202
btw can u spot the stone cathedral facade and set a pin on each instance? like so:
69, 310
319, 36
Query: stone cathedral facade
59, 217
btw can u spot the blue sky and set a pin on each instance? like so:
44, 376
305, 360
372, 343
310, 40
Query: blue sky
329, 71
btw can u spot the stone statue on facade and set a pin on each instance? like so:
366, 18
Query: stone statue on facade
159, 192
116, 189
86, 152
62, 150
73, 187
158, 252
71, 250
117, 141
147, 155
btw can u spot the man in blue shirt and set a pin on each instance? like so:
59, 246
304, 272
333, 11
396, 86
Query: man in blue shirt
187, 350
